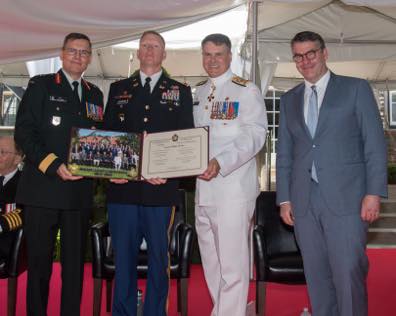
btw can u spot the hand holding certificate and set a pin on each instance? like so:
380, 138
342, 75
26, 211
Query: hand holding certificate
119, 155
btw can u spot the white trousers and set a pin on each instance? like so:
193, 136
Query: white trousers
223, 236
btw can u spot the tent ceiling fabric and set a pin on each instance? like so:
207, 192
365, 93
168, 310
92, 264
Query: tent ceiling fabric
360, 35
33, 29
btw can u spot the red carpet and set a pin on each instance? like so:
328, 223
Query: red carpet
281, 300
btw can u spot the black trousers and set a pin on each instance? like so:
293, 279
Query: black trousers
41, 227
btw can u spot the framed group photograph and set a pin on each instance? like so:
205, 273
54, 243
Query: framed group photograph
104, 154
121, 155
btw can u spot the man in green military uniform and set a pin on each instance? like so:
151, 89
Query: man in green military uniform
53, 198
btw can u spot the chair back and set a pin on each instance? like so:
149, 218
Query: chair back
16, 261
179, 217
279, 237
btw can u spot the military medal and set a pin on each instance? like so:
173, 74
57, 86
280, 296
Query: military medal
94, 112
224, 110
171, 96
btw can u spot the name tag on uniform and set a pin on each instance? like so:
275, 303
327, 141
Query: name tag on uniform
57, 99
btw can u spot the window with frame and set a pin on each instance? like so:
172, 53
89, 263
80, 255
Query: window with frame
10, 97
272, 103
392, 108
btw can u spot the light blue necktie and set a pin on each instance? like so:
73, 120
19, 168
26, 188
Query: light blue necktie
312, 122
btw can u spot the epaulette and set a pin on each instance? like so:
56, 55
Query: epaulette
201, 83
239, 81
11, 221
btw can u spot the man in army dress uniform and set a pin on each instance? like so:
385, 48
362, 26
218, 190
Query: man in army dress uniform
149, 101
226, 192
54, 198
10, 215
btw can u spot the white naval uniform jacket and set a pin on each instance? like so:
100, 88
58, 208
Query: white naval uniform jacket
236, 116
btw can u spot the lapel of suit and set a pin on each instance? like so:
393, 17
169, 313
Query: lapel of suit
299, 108
330, 92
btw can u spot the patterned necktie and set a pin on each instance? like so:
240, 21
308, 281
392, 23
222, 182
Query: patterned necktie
312, 122
147, 87
75, 91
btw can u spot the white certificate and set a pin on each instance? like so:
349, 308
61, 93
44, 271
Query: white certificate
180, 153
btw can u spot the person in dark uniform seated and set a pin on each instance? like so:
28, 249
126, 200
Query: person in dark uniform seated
53, 198
10, 216
149, 101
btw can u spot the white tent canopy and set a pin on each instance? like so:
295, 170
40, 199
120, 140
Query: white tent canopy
114, 62
32, 29
360, 36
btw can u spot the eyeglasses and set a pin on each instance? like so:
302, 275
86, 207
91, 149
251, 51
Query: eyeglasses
74, 52
311, 54
5, 152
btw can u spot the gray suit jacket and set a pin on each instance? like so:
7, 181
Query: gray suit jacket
348, 148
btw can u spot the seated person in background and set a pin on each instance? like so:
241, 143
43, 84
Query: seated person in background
10, 217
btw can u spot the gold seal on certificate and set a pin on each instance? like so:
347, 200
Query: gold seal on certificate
121, 155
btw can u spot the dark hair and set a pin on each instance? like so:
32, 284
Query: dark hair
308, 36
153, 33
76, 36
218, 39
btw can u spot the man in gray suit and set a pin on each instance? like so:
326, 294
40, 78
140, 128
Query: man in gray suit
331, 173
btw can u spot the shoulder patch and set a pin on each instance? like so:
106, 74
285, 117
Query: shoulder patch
239, 81
201, 83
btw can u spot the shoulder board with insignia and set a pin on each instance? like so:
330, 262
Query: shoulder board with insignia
201, 83
239, 81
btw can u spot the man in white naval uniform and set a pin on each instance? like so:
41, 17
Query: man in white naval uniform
234, 110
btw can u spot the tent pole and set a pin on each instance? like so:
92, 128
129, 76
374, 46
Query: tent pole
253, 72
253, 77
